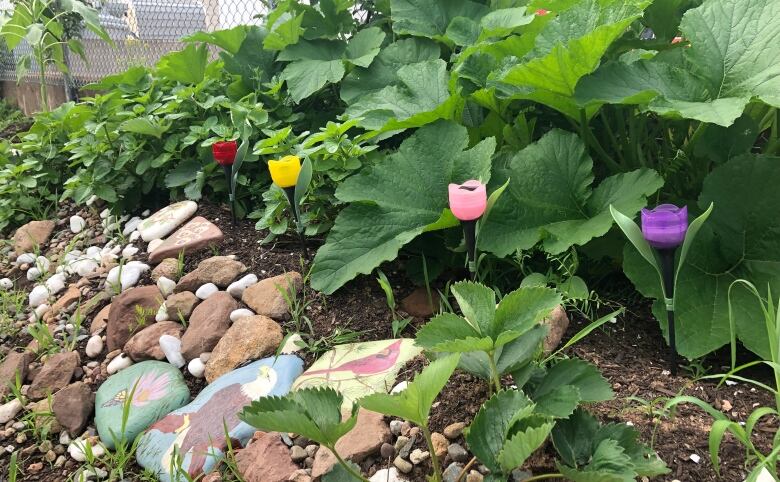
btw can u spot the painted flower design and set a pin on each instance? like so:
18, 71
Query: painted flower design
151, 387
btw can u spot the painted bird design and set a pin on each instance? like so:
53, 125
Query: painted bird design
369, 364
199, 432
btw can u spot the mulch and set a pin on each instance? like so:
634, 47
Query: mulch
630, 353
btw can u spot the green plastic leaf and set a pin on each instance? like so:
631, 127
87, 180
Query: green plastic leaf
414, 403
303, 182
715, 78
634, 234
431, 18
690, 236
187, 66
488, 431
312, 412
550, 198
568, 48
738, 241
421, 97
387, 210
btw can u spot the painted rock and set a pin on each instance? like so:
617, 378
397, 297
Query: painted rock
359, 369
197, 234
197, 431
159, 389
164, 221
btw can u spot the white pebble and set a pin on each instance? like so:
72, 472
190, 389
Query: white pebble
134, 236
153, 244
105, 213
77, 450
119, 363
236, 288
26, 258
94, 346
131, 225
166, 286
400, 387
91, 200
6, 284
9, 410
129, 251
77, 224
695, 458
162, 314
171, 346
33, 274
291, 345
145, 213
56, 283
206, 290
196, 367
40, 310
38, 296
236, 315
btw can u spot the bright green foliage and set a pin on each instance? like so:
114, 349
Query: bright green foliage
431, 18
557, 390
314, 413
506, 431
550, 198
714, 78
414, 402
389, 210
591, 452
570, 47
738, 241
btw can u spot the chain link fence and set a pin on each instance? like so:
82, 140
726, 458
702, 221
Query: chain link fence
143, 31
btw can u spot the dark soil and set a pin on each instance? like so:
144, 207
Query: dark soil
630, 353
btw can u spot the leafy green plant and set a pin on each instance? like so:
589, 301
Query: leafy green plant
398, 325
314, 413
39, 22
414, 403
43, 338
498, 338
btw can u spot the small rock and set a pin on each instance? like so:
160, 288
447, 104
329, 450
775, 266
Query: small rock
454, 430
77, 224
196, 367
387, 475
265, 297
38, 296
77, 449
55, 374
153, 244
73, 406
395, 427
119, 363
403, 465
236, 315
387, 450
6, 284
457, 453
695, 458
166, 286
452, 472
169, 268
298, 454
418, 456
94, 346
236, 288
474, 476
206, 290
162, 314
9, 410
181, 305
171, 347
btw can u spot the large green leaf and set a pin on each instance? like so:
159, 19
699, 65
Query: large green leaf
316, 63
739, 240
713, 79
522, 444
487, 433
431, 18
421, 97
148, 126
230, 40
568, 48
383, 71
414, 402
388, 210
550, 198
578, 373
187, 66
89, 15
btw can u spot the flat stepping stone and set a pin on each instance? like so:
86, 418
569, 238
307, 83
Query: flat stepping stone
164, 221
360, 369
194, 236
197, 429
159, 389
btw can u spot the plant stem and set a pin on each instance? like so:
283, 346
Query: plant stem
591, 140
346, 466
466, 469
494, 371
434, 459
543, 476
42, 76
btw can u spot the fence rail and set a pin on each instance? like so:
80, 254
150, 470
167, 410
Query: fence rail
143, 31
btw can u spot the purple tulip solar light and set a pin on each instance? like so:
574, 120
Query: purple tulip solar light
665, 226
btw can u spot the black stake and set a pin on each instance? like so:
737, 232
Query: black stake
470, 235
290, 192
229, 176
667, 272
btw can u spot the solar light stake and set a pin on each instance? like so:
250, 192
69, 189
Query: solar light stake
666, 257
290, 193
225, 155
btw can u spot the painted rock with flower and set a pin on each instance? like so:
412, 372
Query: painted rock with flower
156, 388
193, 438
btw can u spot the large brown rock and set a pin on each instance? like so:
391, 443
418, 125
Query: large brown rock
169, 267
55, 374
181, 305
209, 321
124, 317
264, 297
419, 305
145, 345
220, 270
266, 459
31, 235
249, 338
197, 234
73, 406
14, 363
557, 324
364, 440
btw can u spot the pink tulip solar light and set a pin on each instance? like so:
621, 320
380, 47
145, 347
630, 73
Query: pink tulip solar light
468, 201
